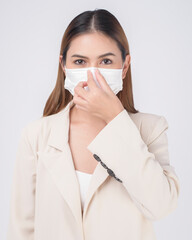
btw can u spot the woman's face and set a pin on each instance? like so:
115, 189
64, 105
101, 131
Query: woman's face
94, 50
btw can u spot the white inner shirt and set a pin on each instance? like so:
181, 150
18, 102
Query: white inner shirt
84, 180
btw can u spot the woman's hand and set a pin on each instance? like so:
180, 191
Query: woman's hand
100, 102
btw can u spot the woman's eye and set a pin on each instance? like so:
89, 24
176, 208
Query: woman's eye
78, 60
107, 60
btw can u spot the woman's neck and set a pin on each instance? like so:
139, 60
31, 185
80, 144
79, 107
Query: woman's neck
78, 115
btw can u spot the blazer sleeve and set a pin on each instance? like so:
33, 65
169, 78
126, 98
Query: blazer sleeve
144, 170
22, 202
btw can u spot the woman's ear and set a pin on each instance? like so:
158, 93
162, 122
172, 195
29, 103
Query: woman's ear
126, 65
61, 62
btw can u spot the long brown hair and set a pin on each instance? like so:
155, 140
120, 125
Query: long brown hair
90, 21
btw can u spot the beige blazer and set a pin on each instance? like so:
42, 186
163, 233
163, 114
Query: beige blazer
138, 187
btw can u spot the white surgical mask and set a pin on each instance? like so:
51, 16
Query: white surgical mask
76, 75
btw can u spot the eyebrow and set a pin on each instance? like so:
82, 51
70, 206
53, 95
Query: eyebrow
103, 55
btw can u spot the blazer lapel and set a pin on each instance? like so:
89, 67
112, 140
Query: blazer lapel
60, 164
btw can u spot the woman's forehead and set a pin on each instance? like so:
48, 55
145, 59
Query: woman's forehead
89, 45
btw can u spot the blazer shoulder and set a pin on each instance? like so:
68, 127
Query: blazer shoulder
37, 130
150, 125
34, 126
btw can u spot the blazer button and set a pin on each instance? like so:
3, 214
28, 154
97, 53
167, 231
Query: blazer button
97, 157
119, 180
111, 173
103, 164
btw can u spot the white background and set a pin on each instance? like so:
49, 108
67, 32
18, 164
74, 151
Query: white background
160, 39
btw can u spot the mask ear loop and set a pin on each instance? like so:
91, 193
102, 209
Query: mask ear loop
64, 66
122, 68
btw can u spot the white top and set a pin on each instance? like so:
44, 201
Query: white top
84, 180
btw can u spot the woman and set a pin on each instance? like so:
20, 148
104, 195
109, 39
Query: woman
92, 167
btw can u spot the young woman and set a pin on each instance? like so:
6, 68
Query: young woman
92, 167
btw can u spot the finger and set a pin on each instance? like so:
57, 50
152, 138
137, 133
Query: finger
80, 102
80, 107
102, 82
82, 84
79, 89
90, 81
